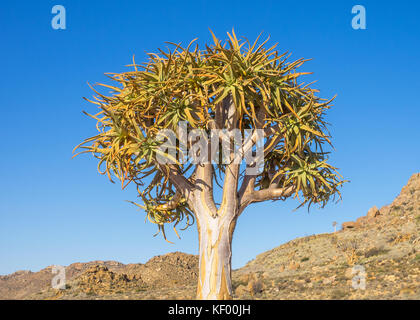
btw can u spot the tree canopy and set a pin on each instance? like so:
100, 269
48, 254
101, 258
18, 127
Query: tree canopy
193, 85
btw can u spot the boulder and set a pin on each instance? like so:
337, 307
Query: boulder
241, 291
255, 286
349, 225
373, 212
294, 265
362, 220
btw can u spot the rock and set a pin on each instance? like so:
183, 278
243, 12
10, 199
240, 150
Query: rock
22, 272
255, 286
241, 291
98, 279
361, 221
373, 212
281, 268
412, 185
244, 278
407, 291
315, 279
349, 225
329, 280
294, 265
77, 266
349, 273
390, 278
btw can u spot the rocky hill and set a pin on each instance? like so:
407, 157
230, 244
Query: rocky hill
106, 279
375, 257
384, 245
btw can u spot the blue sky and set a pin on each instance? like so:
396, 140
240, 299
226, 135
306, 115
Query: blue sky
58, 210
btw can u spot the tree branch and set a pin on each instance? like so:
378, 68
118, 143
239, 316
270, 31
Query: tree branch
204, 180
230, 197
173, 203
264, 195
248, 182
181, 183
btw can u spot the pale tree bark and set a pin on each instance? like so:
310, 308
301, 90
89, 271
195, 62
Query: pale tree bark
215, 231
215, 254
216, 225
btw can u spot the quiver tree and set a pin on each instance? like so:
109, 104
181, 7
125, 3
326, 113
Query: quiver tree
232, 85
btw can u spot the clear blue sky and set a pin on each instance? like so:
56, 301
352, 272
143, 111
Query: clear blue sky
58, 210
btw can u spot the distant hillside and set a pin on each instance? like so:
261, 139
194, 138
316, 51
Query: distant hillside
385, 242
104, 278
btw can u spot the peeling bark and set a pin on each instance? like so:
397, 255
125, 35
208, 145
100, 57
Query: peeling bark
215, 253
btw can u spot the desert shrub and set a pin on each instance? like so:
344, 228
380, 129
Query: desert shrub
349, 248
338, 294
375, 252
237, 283
255, 287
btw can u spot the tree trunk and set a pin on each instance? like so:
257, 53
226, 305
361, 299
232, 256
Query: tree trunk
215, 241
